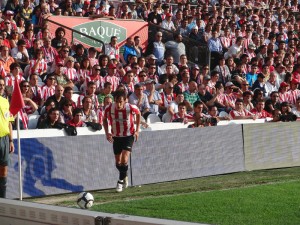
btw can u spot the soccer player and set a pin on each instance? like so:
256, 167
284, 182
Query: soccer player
121, 116
6, 139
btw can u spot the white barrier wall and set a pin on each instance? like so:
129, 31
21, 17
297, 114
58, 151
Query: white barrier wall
53, 163
271, 145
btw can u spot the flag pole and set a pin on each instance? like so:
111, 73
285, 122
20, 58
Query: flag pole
19, 157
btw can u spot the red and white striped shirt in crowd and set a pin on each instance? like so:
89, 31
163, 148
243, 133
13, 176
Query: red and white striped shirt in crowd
115, 81
40, 69
3, 73
294, 94
247, 41
183, 87
129, 87
112, 52
227, 99
284, 97
24, 118
29, 42
50, 54
233, 113
47, 91
97, 79
121, 121
93, 62
95, 102
261, 115
71, 73
100, 113
185, 117
225, 41
167, 99
83, 73
10, 79
37, 94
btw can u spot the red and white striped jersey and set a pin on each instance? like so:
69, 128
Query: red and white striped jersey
50, 54
47, 91
3, 73
294, 94
261, 115
234, 113
185, 116
10, 80
40, 69
115, 81
99, 81
71, 73
83, 73
29, 42
112, 52
284, 97
121, 121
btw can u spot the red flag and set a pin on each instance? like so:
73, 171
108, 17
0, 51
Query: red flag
17, 102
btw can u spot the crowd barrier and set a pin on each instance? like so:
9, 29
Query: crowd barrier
53, 163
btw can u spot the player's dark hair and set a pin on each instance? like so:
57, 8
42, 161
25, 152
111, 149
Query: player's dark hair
120, 93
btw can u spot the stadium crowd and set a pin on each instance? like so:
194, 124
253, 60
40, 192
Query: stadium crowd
254, 70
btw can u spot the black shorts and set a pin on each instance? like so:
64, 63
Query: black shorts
122, 143
4, 150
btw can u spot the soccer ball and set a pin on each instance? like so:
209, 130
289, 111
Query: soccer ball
85, 200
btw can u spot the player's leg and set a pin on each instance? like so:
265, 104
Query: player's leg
117, 146
3, 180
4, 154
124, 167
127, 147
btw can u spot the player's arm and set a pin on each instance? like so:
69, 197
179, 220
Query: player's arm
11, 143
138, 123
105, 125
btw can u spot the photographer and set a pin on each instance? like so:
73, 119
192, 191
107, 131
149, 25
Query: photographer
286, 114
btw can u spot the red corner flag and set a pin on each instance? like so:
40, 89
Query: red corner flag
17, 102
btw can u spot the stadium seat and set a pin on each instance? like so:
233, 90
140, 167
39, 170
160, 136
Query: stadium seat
32, 121
223, 114
75, 89
166, 118
152, 118
75, 97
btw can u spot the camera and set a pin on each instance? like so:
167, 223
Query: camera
209, 120
288, 118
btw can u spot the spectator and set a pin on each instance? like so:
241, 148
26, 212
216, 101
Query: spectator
140, 99
181, 115
272, 103
58, 96
59, 40
260, 84
294, 92
239, 113
91, 93
154, 97
88, 113
296, 109
76, 120
191, 96
112, 48
259, 111
154, 17
126, 50
176, 48
52, 120
66, 111
106, 92
157, 48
